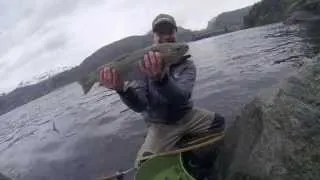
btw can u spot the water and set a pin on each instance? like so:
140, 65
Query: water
65, 135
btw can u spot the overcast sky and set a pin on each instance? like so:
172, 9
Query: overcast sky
39, 35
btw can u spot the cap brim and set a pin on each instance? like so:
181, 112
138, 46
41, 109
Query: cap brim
163, 19
158, 24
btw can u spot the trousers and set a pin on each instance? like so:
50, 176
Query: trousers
164, 137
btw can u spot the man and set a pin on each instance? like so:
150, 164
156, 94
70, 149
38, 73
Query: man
164, 97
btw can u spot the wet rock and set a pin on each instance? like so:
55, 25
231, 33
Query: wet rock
278, 138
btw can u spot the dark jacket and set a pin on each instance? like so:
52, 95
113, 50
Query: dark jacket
166, 101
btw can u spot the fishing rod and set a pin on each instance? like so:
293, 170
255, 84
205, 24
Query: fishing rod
118, 175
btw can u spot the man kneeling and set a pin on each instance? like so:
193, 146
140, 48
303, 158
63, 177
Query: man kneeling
164, 97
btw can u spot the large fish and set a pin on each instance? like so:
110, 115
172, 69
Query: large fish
171, 53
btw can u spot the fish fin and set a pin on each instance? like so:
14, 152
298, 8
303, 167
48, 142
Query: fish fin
87, 82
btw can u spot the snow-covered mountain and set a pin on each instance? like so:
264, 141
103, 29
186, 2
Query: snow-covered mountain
43, 76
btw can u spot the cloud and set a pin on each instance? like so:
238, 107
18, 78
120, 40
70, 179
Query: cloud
39, 35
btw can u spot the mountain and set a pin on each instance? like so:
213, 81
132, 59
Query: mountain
272, 11
28, 91
43, 76
229, 21
3, 177
223, 23
25, 94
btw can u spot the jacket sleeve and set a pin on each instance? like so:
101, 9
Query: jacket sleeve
135, 96
178, 89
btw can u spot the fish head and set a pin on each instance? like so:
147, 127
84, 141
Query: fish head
172, 51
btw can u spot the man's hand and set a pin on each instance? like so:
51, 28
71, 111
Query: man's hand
110, 78
151, 65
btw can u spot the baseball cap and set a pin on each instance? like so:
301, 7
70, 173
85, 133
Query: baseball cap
163, 21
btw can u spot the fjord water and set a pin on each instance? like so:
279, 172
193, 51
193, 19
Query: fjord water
67, 135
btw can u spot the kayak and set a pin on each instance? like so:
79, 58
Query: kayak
168, 167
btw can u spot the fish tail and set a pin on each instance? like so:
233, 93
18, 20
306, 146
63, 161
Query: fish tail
87, 82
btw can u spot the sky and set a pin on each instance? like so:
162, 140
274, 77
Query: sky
37, 36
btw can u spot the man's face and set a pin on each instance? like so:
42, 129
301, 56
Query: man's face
164, 38
164, 33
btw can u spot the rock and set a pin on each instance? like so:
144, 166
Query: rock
278, 138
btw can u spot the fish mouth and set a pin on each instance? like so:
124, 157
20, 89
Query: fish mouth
183, 49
